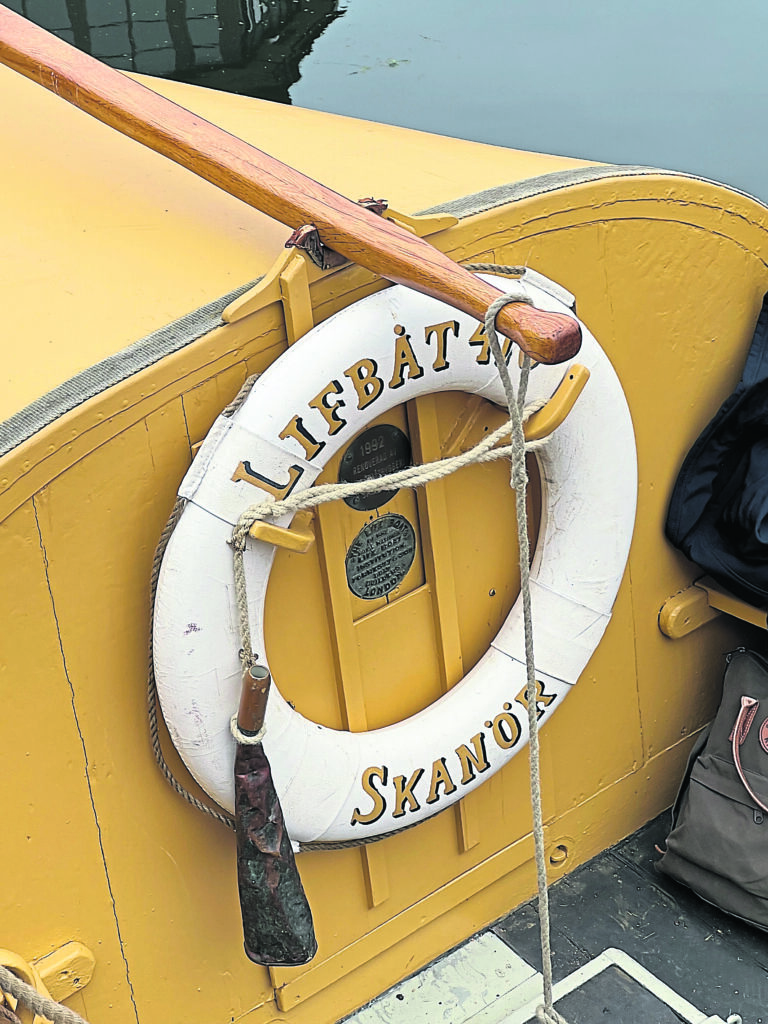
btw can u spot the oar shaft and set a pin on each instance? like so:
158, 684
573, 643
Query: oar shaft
269, 185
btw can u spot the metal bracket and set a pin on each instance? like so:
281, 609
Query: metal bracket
298, 537
57, 976
272, 287
542, 423
307, 238
702, 602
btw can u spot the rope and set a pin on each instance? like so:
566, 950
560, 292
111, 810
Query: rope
417, 476
40, 1005
546, 1014
247, 652
412, 477
152, 709
243, 737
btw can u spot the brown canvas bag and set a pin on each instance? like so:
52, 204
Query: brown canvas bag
718, 845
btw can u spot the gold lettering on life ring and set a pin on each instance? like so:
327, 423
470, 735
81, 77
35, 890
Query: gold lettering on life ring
472, 761
405, 359
365, 382
404, 792
480, 339
541, 698
506, 729
440, 333
246, 472
379, 803
329, 410
296, 429
440, 777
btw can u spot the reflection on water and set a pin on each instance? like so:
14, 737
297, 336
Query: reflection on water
675, 85
252, 47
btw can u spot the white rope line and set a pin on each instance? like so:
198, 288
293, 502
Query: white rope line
39, 1004
412, 476
246, 738
546, 1014
416, 476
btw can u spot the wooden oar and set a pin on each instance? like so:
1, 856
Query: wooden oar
271, 186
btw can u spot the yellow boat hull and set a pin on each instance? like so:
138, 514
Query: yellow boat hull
669, 273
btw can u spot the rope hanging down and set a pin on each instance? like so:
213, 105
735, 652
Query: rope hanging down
546, 1014
417, 476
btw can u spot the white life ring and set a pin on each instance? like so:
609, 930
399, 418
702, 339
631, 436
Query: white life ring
337, 786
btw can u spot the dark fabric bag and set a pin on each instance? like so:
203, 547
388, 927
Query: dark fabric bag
718, 514
718, 845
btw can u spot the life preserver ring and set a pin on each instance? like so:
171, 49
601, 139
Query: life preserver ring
396, 345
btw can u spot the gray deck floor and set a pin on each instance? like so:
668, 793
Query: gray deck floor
615, 902
620, 900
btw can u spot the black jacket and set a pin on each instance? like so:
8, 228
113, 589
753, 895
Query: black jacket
718, 514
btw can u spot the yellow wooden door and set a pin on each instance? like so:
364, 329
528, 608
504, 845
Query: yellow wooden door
363, 663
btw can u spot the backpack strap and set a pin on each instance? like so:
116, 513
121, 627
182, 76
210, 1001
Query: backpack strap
744, 720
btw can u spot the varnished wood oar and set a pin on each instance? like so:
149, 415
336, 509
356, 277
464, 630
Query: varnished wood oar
271, 186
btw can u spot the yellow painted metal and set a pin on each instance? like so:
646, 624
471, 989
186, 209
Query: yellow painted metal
685, 612
542, 423
702, 602
669, 273
66, 970
298, 537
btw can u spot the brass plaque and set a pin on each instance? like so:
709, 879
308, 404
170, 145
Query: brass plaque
380, 556
377, 451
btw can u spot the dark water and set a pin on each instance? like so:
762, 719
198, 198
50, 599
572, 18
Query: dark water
676, 84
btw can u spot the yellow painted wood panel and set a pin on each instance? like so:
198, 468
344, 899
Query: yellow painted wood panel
678, 346
670, 284
132, 241
55, 885
172, 870
587, 829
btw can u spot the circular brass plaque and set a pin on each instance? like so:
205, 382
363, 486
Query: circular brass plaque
378, 450
380, 556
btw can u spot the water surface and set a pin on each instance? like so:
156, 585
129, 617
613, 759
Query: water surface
676, 84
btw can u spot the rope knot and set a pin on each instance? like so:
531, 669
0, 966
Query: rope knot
549, 1016
243, 737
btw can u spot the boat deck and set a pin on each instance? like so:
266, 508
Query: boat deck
716, 966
